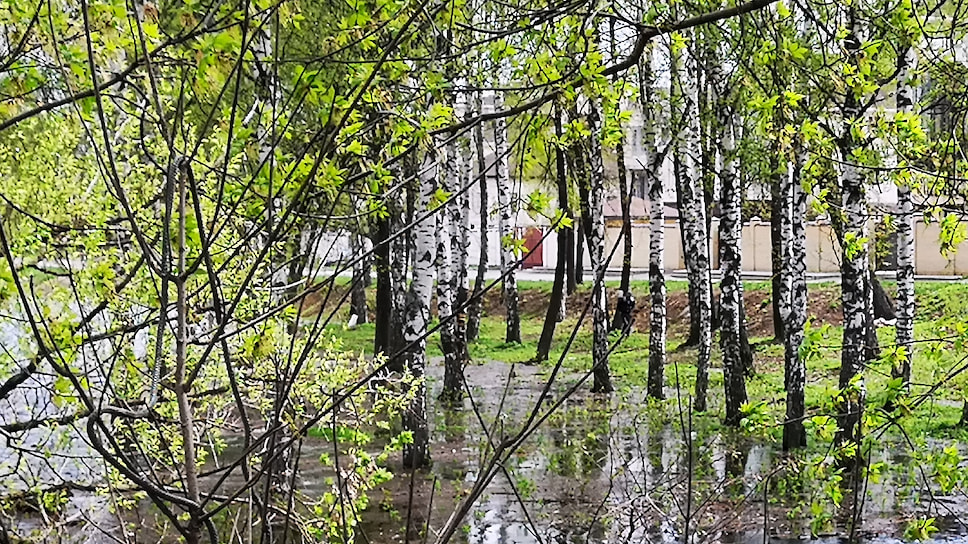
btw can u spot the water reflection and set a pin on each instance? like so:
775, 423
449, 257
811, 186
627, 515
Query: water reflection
612, 471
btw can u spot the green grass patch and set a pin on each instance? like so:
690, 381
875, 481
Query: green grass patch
940, 328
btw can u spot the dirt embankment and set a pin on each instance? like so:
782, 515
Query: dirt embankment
823, 304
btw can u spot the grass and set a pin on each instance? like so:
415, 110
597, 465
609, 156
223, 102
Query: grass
941, 328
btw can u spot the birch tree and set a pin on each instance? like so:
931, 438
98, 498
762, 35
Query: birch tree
481, 174
731, 251
904, 327
693, 210
586, 159
506, 220
856, 292
657, 287
594, 210
451, 260
794, 304
417, 315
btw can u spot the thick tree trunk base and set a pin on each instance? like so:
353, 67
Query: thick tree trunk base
883, 305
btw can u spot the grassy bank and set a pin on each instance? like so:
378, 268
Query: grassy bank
941, 329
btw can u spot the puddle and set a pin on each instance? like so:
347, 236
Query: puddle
596, 471
614, 471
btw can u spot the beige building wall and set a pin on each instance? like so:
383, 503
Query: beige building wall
822, 250
928, 259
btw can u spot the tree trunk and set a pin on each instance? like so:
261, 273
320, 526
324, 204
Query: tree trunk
384, 288
567, 237
460, 242
905, 237
417, 453
625, 304
855, 284
506, 225
776, 235
657, 287
358, 305
400, 249
691, 292
558, 287
580, 249
448, 243
476, 306
693, 220
883, 307
795, 301
182, 389
594, 210
731, 254
626, 202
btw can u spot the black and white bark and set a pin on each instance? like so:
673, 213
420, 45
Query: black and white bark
692, 215
506, 215
776, 178
448, 244
904, 325
480, 173
794, 304
595, 235
417, 317
855, 268
593, 209
731, 287
657, 287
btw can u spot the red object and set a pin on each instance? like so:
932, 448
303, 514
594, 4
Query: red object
532, 240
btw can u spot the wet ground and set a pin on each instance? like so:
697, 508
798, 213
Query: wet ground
615, 470
600, 470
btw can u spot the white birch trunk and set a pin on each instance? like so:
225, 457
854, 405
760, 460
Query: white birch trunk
595, 231
657, 287
795, 306
731, 236
855, 274
905, 235
448, 239
417, 310
506, 227
693, 221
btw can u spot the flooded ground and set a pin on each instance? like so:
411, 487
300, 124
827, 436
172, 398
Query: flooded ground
615, 470
600, 470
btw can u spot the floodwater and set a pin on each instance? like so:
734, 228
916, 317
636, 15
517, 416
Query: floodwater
604, 470
615, 470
